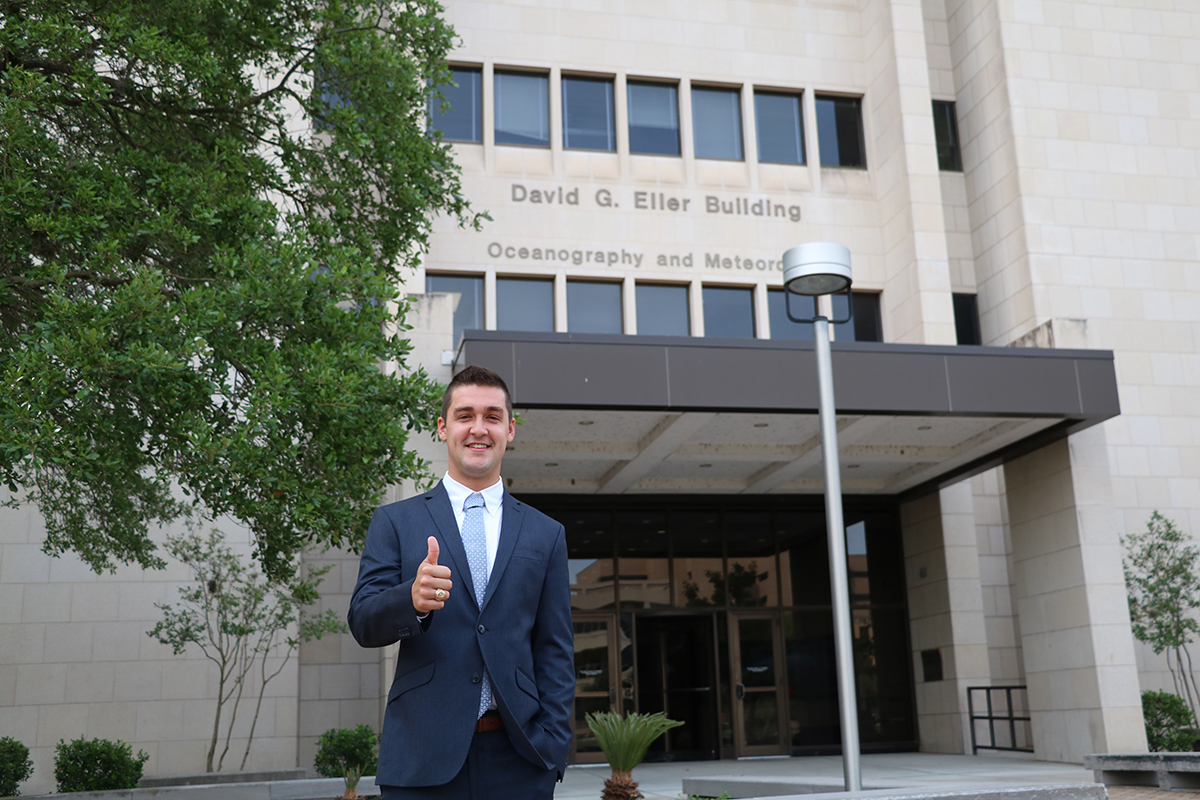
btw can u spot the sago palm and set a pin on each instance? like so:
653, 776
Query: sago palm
624, 741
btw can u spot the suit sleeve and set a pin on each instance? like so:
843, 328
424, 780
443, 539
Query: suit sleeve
554, 651
381, 609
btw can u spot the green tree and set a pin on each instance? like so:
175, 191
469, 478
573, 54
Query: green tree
206, 207
239, 620
1164, 592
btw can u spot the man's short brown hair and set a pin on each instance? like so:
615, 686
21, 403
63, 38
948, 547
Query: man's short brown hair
477, 376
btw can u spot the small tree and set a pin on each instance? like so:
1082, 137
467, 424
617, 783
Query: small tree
15, 766
1164, 590
1168, 722
347, 753
624, 741
238, 618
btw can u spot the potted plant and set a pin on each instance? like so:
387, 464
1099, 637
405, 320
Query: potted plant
624, 741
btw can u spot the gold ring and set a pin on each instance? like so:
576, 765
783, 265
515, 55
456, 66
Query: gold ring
439, 594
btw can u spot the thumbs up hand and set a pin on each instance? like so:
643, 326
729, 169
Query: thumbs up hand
431, 587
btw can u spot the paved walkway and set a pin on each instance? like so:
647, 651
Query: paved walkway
665, 781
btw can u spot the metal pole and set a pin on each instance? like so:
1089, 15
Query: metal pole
838, 579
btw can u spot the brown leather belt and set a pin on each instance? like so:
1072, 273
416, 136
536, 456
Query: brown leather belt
490, 721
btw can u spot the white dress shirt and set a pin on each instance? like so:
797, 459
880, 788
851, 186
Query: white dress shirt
493, 511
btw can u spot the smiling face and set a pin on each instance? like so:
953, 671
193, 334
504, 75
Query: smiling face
476, 429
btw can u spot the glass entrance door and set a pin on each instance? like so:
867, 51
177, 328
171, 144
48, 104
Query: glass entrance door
759, 712
601, 684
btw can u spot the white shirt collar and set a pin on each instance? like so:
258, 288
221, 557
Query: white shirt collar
493, 496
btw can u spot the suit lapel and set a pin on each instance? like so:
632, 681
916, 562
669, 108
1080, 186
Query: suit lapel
450, 539
510, 530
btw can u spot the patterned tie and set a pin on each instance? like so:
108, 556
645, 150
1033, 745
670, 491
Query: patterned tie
475, 543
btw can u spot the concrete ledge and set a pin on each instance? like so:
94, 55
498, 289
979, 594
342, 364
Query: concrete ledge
810, 790
1164, 770
201, 778
308, 789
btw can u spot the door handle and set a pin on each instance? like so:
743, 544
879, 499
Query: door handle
740, 690
612, 695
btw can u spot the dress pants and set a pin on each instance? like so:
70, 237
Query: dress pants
494, 770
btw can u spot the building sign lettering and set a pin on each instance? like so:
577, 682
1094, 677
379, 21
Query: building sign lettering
640, 200
625, 257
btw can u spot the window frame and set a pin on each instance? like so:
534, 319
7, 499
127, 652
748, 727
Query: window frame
821, 97
673, 86
517, 72
539, 279
477, 70
798, 96
620, 287
687, 305
612, 109
951, 160
739, 126
749, 290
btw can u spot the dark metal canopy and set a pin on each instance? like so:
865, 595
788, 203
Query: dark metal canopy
612, 413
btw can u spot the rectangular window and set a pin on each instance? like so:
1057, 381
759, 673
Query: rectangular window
866, 325
653, 118
966, 319
717, 121
524, 304
588, 114
462, 121
945, 131
522, 109
593, 307
781, 326
840, 132
662, 310
468, 302
780, 131
728, 312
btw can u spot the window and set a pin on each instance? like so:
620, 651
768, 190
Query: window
866, 325
522, 109
728, 312
945, 131
839, 131
653, 118
468, 303
662, 310
780, 131
593, 307
588, 114
524, 304
463, 120
966, 319
803, 307
717, 121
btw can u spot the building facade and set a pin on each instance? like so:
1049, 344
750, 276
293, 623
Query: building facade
1019, 186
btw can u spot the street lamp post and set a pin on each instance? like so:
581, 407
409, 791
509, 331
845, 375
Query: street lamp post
816, 269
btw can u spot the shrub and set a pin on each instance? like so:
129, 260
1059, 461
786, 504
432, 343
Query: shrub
15, 765
1168, 722
346, 750
94, 765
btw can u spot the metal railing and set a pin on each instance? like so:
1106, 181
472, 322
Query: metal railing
1005, 713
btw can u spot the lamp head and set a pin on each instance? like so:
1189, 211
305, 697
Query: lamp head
817, 268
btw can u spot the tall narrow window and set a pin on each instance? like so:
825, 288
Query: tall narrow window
840, 131
524, 304
522, 109
662, 310
782, 327
593, 307
728, 312
780, 132
588, 114
966, 319
717, 121
653, 118
865, 326
468, 301
945, 131
462, 120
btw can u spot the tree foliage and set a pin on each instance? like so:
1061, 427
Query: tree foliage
1164, 593
1168, 722
205, 210
624, 741
239, 620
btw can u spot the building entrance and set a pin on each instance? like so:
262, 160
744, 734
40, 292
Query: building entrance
716, 611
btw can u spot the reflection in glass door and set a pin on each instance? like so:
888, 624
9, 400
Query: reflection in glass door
601, 684
758, 707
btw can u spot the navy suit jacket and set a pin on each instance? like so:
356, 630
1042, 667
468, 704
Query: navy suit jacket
522, 637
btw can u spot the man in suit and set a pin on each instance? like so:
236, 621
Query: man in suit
473, 584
